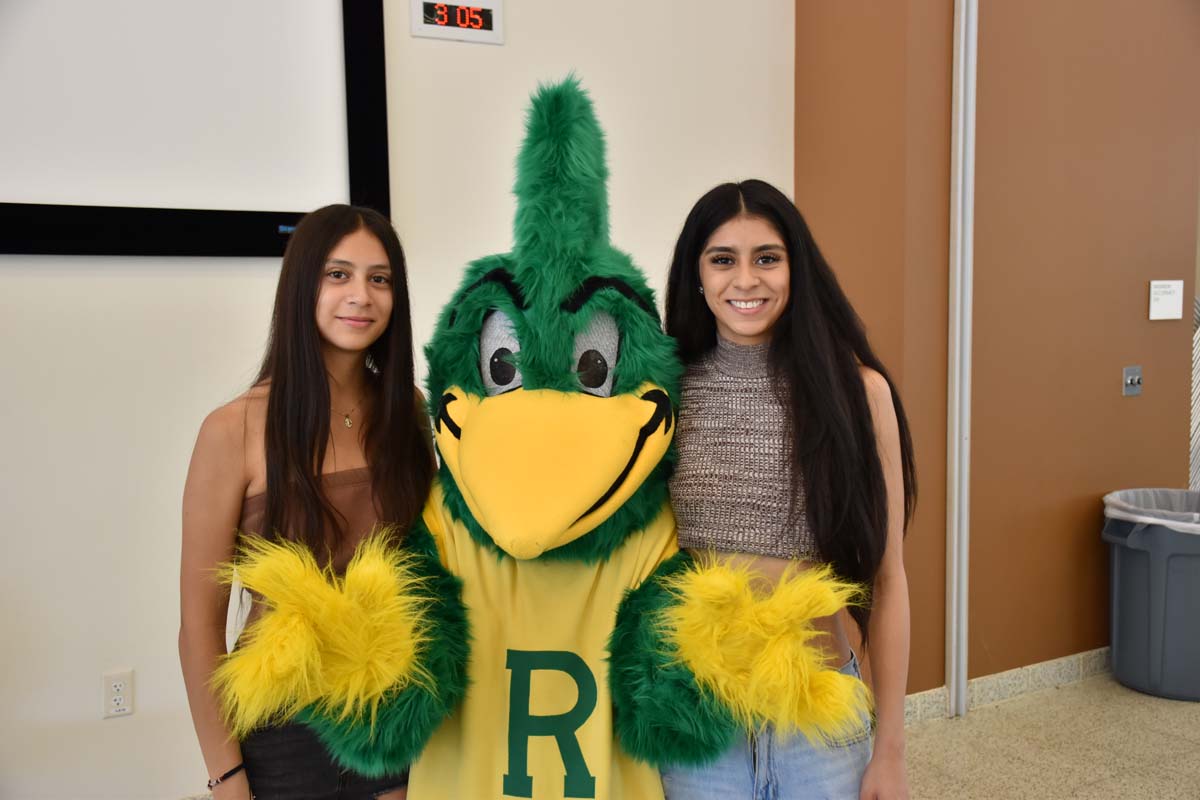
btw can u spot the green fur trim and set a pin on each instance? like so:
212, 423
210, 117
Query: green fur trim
660, 714
547, 333
453, 352
407, 720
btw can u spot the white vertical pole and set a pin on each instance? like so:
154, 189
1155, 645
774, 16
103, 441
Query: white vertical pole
958, 422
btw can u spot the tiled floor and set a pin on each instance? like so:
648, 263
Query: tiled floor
1094, 739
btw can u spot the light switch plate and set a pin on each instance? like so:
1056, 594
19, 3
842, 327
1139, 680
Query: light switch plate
1131, 381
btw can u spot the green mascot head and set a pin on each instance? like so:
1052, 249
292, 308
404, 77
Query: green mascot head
552, 385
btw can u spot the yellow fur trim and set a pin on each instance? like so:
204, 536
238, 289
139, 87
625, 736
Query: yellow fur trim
343, 643
755, 652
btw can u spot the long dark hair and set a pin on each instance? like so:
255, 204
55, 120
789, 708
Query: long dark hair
817, 349
297, 428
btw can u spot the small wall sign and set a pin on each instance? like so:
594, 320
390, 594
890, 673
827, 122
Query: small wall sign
1166, 299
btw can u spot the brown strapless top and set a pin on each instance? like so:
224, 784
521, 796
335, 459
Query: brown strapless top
349, 491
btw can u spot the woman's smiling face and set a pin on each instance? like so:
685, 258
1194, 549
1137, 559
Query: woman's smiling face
745, 277
354, 301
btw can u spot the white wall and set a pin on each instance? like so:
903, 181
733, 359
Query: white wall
690, 93
109, 364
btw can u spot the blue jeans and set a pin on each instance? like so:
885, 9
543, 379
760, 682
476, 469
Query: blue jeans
762, 767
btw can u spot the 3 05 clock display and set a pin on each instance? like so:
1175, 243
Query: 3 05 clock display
455, 16
480, 22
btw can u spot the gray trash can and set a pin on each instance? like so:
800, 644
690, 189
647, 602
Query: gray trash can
1155, 590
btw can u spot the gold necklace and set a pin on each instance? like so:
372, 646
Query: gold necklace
346, 420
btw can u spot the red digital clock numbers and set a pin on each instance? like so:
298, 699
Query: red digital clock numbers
454, 16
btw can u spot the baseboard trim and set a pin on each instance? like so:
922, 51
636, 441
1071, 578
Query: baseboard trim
989, 689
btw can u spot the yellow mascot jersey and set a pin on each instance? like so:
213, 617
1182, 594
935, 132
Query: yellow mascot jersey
537, 718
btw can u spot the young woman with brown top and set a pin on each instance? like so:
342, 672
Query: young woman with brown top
328, 443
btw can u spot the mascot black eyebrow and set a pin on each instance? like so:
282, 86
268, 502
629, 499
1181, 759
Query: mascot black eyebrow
537, 633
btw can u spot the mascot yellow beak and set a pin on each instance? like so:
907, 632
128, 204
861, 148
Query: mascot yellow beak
541, 468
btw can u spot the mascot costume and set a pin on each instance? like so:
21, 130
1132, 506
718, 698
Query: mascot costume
537, 633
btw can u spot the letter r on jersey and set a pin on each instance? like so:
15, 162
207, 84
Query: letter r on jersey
522, 724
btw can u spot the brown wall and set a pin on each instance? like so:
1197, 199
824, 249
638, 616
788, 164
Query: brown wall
872, 178
1088, 132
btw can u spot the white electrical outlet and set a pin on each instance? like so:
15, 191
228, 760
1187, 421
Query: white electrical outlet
118, 693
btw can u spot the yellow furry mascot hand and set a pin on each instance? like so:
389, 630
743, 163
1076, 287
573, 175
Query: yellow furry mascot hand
338, 643
372, 660
705, 652
755, 650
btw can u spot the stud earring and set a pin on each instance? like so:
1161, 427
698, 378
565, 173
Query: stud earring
701, 290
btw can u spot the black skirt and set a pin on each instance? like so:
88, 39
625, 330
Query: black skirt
288, 762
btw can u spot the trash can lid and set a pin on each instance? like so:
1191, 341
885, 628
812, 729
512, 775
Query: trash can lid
1178, 509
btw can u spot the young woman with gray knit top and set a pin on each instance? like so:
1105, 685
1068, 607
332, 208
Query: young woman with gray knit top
794, 450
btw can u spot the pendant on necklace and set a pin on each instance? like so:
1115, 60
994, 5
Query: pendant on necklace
349, 422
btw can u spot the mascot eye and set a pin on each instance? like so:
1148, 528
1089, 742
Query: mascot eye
593, 369
498, 349
501, 367
596, 354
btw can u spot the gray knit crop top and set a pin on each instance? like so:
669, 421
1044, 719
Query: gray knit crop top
732, 485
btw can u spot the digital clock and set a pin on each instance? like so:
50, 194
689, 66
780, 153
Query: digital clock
474, 17
481, 21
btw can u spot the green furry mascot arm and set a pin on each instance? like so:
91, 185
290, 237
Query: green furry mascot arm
699, 654
660, 713
372, 661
